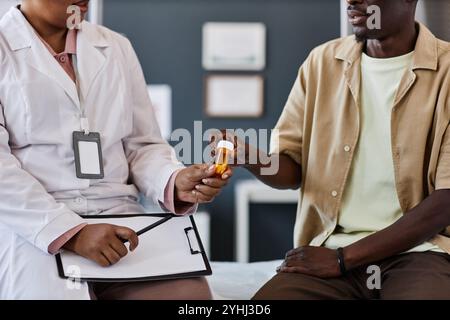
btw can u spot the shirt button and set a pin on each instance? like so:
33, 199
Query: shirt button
347, 148
334, 193
78, 200
62, 59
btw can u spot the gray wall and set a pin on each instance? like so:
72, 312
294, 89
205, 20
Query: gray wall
436, 15
167, 37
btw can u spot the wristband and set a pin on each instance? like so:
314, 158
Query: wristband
340, 257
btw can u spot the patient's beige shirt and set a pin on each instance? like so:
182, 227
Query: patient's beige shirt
370, 201
320, 129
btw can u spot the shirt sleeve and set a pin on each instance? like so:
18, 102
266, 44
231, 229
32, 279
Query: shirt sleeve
56, 245
443, 167
287, 138
26, 207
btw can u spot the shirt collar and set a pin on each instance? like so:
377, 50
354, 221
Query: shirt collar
425, 52
71, 43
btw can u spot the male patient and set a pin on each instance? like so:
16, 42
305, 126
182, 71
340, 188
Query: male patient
365, 134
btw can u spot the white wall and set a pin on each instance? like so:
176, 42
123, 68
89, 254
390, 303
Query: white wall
96, 11
436, 15
346, 28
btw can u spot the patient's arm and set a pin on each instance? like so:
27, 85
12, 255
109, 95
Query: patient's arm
417, 226
414, 228
278, 171
288, 175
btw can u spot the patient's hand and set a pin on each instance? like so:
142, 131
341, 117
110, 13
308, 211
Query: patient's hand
102, 243
315, 261
243, 155
199, 184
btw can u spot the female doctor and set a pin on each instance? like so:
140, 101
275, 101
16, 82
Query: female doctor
58, 85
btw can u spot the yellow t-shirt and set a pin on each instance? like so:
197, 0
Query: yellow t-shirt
370, 202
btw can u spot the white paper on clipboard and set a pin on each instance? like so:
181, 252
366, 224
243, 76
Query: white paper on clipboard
164, 252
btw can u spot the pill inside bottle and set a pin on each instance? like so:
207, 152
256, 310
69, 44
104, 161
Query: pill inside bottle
223, 152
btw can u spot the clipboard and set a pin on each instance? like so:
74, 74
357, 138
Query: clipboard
169, 248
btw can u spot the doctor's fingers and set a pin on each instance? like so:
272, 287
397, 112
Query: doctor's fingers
127, 234
118, 246
101, 260
200, 171
207, 191
227, 174
219, 182
196, 196
202, 198
111, 255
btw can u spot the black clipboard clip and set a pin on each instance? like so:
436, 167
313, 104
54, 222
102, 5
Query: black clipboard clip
186, 231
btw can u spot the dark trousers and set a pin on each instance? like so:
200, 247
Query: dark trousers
182, 289
410, 276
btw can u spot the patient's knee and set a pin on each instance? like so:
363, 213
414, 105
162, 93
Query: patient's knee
274, 289
290, 286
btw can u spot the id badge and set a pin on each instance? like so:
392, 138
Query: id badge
88, 155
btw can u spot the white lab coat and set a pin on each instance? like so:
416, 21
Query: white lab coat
40, 196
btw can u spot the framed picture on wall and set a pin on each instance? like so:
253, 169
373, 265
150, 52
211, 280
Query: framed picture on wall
234, 46
234, 96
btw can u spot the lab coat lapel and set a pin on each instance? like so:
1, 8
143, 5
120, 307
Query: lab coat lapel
90, 57
26, 44
40, 59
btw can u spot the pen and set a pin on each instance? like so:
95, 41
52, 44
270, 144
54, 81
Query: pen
152, 226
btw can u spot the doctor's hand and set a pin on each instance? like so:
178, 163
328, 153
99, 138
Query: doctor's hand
102, 243
200, 184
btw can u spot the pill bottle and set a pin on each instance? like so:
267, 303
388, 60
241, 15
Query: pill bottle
223, 151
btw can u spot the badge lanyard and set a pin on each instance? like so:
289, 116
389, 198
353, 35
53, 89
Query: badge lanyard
86, 144
84, 120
